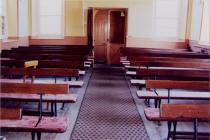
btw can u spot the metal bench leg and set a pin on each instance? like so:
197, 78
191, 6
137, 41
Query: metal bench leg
196, 129
55, 113
63, 105
174, 131
159, 103
156, 103
32, 135
52, 109
169, 130
39, 136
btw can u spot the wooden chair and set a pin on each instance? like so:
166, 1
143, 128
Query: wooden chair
30, 64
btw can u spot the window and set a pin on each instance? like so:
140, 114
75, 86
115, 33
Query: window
169, 18
3, 19
47, 18
204, 37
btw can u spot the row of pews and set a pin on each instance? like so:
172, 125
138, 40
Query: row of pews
23, 74
171, 74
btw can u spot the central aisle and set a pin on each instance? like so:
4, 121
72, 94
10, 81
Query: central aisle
108, 110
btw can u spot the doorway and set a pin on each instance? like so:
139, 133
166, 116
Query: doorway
109, 31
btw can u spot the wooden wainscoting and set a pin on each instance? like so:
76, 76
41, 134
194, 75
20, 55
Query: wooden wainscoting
151, 43
68, 40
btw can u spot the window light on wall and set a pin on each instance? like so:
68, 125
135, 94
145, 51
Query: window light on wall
204, 36
168, 18
3, 25
48, 18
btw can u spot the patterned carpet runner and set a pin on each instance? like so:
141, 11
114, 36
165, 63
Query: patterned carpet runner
108, 111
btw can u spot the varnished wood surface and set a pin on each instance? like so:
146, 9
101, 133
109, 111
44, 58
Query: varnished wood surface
6, 71
142, 58
44, 56
10, 113
46, 64
185, 111
34, 88
187, 64
46, 51
173, 73
162, 53
172, 84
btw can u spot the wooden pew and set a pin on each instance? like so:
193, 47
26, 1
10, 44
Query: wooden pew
174, 113
27, 92
188, 64
141, 58
169, 74
46, 64
172, 84
44, 56
162, 53
13, 121
44, 72
46, 51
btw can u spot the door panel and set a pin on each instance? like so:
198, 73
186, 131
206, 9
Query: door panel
100, 34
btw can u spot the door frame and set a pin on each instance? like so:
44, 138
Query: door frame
125, 10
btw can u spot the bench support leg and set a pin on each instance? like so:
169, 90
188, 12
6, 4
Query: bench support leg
195, 129
169, 130
63, 105
52, 109
39, 136
174, 131
33, 136
55, 113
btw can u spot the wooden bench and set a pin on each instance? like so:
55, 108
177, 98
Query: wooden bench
27, 92
172, 84
169, 74
193, 65
46, 64
162, 53
44, 56
44, 72
12, 120
173, 113
144, 58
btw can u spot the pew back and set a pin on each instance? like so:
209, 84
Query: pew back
34, 88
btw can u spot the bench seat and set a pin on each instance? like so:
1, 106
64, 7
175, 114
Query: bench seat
27, 124
136, 82
24, 97
130, 73
82, 72
75, 84
174, 95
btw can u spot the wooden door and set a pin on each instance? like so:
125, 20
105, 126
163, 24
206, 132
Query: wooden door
117, 34
100, 34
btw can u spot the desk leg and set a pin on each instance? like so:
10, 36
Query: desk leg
169, 130
196, 129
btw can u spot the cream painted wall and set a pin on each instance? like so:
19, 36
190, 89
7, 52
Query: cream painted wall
73, 18
12, 18
139, 14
